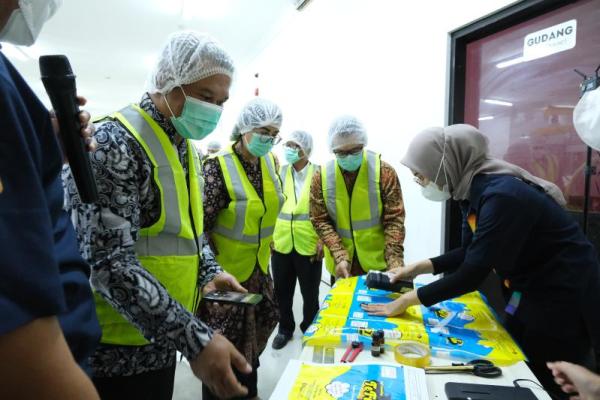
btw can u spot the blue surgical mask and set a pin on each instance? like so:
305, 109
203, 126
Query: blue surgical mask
259, 145
198, 118
292, 155
350, 162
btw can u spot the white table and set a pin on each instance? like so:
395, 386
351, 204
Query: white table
436, 382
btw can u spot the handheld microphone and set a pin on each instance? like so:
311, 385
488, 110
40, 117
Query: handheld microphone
59, 82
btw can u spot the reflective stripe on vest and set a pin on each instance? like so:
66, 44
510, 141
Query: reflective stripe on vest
293, 229
169, 249
360, 227
244, 230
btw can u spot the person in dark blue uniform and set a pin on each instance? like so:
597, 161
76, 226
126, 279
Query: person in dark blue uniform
515, 224
48, 325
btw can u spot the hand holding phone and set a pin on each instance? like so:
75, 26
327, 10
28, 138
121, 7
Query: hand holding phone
222, 296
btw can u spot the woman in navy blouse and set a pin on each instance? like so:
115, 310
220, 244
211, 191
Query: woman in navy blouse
515, 224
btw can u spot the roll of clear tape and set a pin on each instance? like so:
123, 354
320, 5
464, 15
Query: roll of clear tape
413, 354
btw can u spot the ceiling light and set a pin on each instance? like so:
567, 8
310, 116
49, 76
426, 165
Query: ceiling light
508, 63
498, 102
486, 118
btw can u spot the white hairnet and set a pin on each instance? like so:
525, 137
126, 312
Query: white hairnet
188, 57
257, 113
346, 130
302, 139
214, 145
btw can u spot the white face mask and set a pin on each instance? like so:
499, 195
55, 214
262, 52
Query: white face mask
25, 23
431, 191
586, 118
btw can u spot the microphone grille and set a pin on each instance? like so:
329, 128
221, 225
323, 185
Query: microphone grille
55, 66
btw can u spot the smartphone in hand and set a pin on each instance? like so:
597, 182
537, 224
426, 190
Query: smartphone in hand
222, 296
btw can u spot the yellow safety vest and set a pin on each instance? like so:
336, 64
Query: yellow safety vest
357, 219
244, 230
169, 249
293, 229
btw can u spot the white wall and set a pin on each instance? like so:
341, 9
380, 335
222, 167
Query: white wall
384, 61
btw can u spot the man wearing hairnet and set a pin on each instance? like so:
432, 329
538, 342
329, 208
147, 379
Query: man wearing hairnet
297, 252
143, 238
242, 201
213, 147
356, 205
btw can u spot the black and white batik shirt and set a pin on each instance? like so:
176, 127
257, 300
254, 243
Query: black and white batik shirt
107, 231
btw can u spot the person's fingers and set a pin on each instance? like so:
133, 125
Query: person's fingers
90, 144
372, 306
566, 372
81, 100
87, 131
236, 286
239, 362
402, 273
559, 374
228, 386
382, 313
569, 388
559, 380
556, 372
209, 287
375, 309
84, 117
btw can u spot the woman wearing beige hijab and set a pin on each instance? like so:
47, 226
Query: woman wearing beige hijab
515, 224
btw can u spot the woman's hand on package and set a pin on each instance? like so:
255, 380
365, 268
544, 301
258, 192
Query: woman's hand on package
394, 308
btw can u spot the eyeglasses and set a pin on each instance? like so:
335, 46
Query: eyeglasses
265, 138
345, 153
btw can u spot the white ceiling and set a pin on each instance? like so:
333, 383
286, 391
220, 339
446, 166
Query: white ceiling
112, 43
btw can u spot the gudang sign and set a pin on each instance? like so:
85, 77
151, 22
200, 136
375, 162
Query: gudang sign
550, 40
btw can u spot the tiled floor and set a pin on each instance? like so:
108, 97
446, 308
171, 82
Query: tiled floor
272, 362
